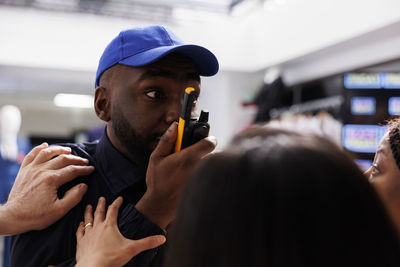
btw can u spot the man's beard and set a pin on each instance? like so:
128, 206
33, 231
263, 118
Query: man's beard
127, 136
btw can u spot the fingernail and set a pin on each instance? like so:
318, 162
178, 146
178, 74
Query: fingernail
172, 126
162, 239
82, 187
44, 144
213, 140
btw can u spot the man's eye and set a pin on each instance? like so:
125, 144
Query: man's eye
153, 94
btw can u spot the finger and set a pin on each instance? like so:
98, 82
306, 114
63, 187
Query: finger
32, 154
88, 215
167, 142
112, 212
201, 148
137, 246
80, 232
50, 152
69, 173
100, 212
70, 199
63, 160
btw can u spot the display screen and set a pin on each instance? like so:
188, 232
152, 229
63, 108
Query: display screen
363, 105
362, 138
394, 106
390, 80
387, 80
362, 81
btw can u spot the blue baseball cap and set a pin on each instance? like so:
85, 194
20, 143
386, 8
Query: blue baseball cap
141, 46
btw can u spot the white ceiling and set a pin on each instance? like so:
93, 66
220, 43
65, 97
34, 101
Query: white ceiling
156, 11
21, 80
44, 52
254, 36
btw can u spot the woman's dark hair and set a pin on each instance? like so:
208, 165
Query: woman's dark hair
280, 198
394, 138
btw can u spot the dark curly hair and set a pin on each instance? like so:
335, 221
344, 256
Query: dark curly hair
394, 138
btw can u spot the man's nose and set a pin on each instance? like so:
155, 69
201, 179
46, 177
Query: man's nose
173, 111
367, 173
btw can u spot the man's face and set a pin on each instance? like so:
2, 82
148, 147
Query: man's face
146, 100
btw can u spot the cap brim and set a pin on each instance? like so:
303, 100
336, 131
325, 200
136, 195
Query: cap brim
205, 61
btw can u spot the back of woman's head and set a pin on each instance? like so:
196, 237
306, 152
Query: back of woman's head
279, 198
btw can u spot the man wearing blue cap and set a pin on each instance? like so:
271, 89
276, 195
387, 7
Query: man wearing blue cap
140, 83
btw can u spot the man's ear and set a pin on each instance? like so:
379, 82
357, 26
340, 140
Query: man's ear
102, 103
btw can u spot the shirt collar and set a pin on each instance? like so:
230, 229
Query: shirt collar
118, 171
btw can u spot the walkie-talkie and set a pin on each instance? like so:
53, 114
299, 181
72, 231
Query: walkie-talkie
191, 130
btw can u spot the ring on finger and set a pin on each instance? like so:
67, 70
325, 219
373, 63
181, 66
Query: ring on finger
87, 225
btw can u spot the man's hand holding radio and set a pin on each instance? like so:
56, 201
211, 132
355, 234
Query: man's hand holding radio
167, 175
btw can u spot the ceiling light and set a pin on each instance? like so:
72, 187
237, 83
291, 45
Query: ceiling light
73, 101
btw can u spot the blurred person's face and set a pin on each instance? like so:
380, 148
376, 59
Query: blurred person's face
384, 174
144, 101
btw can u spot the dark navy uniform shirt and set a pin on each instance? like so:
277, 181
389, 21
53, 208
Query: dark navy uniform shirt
114, 176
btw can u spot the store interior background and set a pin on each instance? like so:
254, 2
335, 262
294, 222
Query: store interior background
53, 46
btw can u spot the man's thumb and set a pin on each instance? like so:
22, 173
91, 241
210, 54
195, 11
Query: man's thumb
71, 198
167, 141
138, 246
